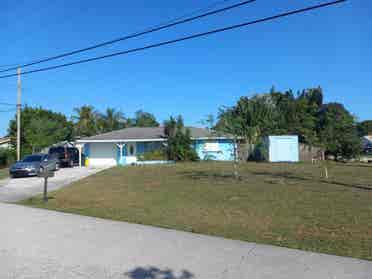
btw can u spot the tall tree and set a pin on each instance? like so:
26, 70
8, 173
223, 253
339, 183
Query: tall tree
231, 123
338, 133
209, 122
40, 128
144, 119
365, 128
298, 115
179, 143
112, 120
250, 119
86, 120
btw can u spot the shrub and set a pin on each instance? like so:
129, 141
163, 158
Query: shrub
259, 153
179, 144
7, 157
155, 155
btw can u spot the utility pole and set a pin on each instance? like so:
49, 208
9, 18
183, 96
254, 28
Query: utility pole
19, 91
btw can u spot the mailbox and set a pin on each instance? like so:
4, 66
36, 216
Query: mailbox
45, 173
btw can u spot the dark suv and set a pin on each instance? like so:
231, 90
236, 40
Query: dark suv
67, 156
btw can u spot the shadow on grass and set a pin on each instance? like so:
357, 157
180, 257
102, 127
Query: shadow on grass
288, 175
197, 175
360, 165
206, 174
156, 273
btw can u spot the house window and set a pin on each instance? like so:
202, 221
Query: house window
211, 147
131, 150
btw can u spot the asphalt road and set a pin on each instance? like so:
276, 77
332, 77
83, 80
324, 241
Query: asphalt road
40, 244
16, 189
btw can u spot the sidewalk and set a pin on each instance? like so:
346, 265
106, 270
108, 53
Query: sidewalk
38, 243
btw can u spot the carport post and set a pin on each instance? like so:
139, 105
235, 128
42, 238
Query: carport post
80, 147
120, 145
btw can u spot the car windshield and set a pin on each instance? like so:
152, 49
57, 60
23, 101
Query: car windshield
56, 150
33, 158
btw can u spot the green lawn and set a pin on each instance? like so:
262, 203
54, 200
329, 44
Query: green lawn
3, 173
281, 204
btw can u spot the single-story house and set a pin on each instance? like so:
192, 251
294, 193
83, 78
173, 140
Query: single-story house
5, 142
123, 147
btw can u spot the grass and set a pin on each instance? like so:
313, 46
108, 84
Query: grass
3, 173
282, 204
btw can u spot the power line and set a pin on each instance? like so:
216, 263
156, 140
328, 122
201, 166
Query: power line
9, 110
270, 18
6, 104
134, 35
8, 65
201, 10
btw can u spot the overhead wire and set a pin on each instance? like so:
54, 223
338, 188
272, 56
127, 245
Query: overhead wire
182, 20
194, 36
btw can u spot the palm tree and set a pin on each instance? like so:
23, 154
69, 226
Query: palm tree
113, 120
85, 120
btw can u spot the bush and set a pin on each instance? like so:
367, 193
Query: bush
7, 157
179, 145
259, 153
155, 155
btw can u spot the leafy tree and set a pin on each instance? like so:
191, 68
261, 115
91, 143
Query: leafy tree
209, 122
298, 115
303, 114
86, 120
112, 120
250, 119
364, 128
7, 157
179, 144
231, 123
338, 133
144, 119
40, 128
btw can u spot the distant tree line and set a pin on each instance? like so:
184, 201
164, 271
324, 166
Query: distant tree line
304, 113
327, 125
41, 128
88, 122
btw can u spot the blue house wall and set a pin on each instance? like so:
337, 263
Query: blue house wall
225, 150
219, 150
141, 148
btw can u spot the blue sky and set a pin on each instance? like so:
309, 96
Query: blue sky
330, 47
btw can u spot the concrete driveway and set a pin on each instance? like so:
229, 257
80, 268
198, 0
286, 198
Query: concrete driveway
13, 190
42, 244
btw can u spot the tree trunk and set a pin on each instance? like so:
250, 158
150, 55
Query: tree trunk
236, 170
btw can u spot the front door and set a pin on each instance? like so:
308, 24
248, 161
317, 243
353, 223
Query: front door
131, 151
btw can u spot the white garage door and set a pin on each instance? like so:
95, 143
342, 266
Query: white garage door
102, 154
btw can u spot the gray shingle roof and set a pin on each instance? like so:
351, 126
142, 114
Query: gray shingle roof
144, 133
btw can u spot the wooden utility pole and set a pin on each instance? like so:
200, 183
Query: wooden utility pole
19, 106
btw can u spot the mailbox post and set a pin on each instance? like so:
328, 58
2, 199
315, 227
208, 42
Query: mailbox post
45, 173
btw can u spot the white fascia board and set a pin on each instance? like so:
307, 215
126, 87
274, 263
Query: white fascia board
211, 138
119, 140
145, 140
